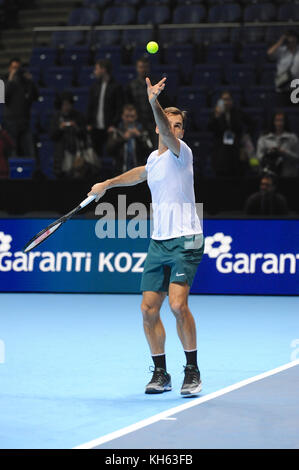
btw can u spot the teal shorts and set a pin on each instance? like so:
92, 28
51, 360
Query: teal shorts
173, 260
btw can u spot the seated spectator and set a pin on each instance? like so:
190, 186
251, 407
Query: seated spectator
136, 93
20, 93
229, 124
286, 53
6, 145
267, 201
128, 143
104, 104
278, 150
68, 132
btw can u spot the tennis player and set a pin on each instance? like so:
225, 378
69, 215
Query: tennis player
177, 243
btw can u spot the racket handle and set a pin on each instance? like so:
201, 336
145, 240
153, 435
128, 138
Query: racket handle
87, 201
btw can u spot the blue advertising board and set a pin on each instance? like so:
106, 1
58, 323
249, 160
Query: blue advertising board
241, 257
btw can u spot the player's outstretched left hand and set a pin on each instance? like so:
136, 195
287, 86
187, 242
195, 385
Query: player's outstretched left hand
154, 91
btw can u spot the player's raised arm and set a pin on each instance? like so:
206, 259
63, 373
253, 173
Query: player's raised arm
162, 122
129, 178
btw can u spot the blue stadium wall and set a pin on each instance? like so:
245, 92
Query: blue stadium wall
242, 257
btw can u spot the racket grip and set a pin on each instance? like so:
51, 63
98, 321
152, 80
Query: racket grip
87, 201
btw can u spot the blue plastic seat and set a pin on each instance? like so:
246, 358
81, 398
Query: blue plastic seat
59, 78
202, 116
43, 57
133, 37
119, 15
225, 13
113, 53
154, 14
267, 74
262, 96
84, 17
207, 75
189, 14
260, 12
103, 38
190, 98
240, 74
172, 74
21, 168
67, 38
211, 35
175, 36
80, 95
288, 12
45, 100
183, 55
45, 148
254, 53
220, 54
247, 34
86, 76
125, 74
76, 56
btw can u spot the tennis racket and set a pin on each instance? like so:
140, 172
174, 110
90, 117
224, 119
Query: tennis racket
46, 232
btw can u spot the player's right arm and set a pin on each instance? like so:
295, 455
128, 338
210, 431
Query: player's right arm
129, 178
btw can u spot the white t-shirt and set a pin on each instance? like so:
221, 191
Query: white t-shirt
170, 179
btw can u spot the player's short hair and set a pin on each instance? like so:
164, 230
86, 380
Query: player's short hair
177, 112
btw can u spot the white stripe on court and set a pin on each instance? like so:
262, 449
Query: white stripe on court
166, 414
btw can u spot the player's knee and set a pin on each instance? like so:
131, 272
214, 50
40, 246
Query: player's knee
150, 313
179, 307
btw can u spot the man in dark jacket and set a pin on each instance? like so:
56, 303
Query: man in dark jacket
20, 93
266, 202
228, 124
128, 143
104, 104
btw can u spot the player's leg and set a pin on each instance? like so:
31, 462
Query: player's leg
155, 335
186, 328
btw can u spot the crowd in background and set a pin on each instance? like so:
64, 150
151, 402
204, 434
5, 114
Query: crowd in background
119, 123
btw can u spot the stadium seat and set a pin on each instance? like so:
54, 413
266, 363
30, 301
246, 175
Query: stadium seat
45, 100
184, 56
202, 116
119, 15
125, 74
175, 36
45, 149
247, 34
220, 54
254, 54
59, 78
103, 38
207, 75
84, 17
76, 56
288, 12
85, 77
113, 53
154, 14
172, 74
262, 96
240, 74
267, 74
95, 3
80, 95
43, 57
67, 38
225, 13
211, 35
21, 168
260, 12
190, 98
191, 14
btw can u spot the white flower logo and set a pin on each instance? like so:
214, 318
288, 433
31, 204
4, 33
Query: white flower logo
224, 242
5, 242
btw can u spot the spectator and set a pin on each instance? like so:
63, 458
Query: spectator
229, 124
104, 104
20, 93
278, 150
136, 93
68, 131
6, 145
267, 201
129, 143
286, 53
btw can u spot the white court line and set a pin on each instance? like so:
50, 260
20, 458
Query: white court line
166, 414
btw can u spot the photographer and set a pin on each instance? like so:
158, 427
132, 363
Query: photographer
286, 53
20, 93
128, 143
278, 150
69, 134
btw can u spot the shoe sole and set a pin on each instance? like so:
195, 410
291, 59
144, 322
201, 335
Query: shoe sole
188, 393
152, 391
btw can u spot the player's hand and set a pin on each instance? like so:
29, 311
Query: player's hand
153, 91
99, 189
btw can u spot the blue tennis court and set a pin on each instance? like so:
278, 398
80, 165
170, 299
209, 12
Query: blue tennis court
73, 367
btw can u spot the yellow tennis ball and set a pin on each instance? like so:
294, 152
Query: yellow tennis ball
152, 47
